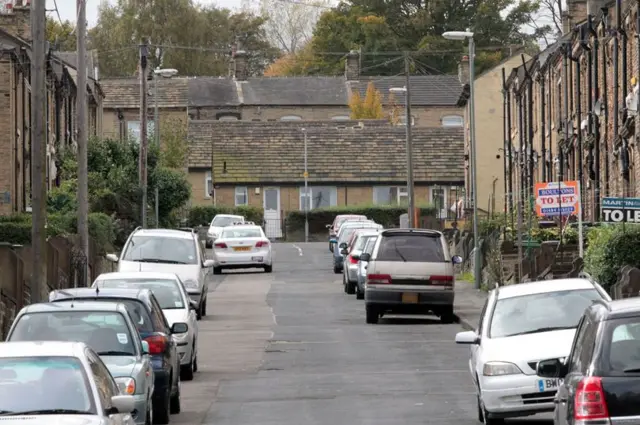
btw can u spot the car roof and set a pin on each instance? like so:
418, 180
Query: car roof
137, 276
165, 233
229, 215
120, 293
350, 216
623, 307
42, 349
242, 226
543, 287
69, 305
408, 230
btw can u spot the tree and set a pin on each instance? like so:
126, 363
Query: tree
302, 62
368, 108
547, 23
61, 35
174, 143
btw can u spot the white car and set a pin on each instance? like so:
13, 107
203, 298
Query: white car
169, 251
176, 306
521, 325
242, 246
219, 222
46, 383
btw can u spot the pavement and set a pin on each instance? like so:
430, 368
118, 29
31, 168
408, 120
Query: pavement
291, 348
468, 304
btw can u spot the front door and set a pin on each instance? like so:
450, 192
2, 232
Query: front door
272, 218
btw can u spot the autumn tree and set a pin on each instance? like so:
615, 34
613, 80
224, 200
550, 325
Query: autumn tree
61, 35
368, 108
173, 143
302, 62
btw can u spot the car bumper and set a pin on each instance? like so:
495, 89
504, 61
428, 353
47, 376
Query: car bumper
515, 395
391, 297
184, 347
256, 258
140, 402
161, 380
195, 296
352, 272
338, 261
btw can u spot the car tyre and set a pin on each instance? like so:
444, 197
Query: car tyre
480, 412
350, 288
175, 401
336, 270
186, 372
359, 293
149, 414
447, 316
204, 307
486, 419
217, 270
195, 359
268, 269
208, 244
161, 413
199, 312
372, 315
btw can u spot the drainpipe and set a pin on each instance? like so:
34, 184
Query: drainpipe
594, 124
521, 152
510, 150
605, 102
616, 79
529, 124
565, 87
549, 119
24, 140
578, 103
543, 146
505, 133
624, 155
16, 159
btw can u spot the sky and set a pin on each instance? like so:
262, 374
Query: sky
67, 8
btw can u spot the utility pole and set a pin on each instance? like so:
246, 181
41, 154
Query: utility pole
156, 127
39, 151
306, 190
412, 209
143, 131
82, 106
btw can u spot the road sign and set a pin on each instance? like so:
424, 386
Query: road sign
621, 210
557, 199
305, 175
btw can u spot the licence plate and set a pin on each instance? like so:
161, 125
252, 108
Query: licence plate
410, 298
242, 248
548, 384
256, 258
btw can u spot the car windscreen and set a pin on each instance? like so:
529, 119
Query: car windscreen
167, 292
348, 218
361, 242
345, 233
225, 221
621, 347
158, 249
137, 310
104, 331
371, 243
411, 247
528, 314
241, 233
43, 383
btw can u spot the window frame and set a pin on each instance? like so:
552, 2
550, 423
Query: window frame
402, 118
291, 117
150, 130
333, 196
208, 178
401, 192
236, 194
451, 116
340, 118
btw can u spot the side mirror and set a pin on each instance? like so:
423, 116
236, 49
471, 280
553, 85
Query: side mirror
145, 347
328, 226
179, 328
343, 245
365, 257
208, 263
193, 305
551, 368
468, 337
333, 240
121, 404
112, 257
355, 257
456, 259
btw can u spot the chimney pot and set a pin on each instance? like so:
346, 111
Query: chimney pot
240, 70
352, 67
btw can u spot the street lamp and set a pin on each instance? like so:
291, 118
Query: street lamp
407, 100
307, 198
164, 73
461, 36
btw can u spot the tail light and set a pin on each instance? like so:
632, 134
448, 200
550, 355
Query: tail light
353, 260
260, 244
220, 245
157, 344
589, 400
441, 280
378, 279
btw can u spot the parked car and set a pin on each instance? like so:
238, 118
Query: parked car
177, 308
169, 251
362, 267
153, 328
59, 383
337, 222
109, 330
352, 256
346, 230
219, 222
410, 272
521, 325
242, 246
598, 380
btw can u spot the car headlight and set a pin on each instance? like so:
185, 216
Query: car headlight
127, 385
500, 369
191, 284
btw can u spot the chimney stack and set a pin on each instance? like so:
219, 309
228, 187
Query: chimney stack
16, 19
463, 70
240, 66
352, 67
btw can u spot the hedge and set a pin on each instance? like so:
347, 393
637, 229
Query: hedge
202, 215
388, 216
609, 249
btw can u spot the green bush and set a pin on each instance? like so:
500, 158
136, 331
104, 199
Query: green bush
202, 215
18, 233
609, 249
15, 218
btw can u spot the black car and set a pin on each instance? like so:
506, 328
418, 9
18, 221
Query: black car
600, 379
153, 328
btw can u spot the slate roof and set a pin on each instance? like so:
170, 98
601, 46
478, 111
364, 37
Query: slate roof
125, 92
71, 58
273, 152
426, 90
294, 91
211, 91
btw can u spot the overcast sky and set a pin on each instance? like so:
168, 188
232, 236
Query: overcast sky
67, 8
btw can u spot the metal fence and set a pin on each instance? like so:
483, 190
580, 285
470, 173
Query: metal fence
274, 228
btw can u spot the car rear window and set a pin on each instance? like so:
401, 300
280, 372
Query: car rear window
624, 346
411, 248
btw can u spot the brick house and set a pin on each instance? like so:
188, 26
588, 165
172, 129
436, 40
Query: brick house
573, 108
15, 110
437, 100
349, 163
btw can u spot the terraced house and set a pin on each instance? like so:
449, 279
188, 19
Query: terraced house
15, 109
572, 111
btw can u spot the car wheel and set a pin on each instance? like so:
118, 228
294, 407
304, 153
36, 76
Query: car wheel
208, 244
344, 283
330, 247
204, 307
268, 269
217, 270
359, 293
350, 288
372, 315
480, 413
195, 359
149, 415
447, 316
175, 401
336, 270
186, 372
161, 410
485, 415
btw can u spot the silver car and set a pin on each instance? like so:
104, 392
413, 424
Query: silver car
169, 251
46, 383
352, 256
105, 327
219, 222
176, 307
361, 277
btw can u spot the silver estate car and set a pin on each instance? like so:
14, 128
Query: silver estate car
105, 327
352, 258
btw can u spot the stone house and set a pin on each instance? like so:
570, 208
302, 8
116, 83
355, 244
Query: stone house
15, 110
349, 163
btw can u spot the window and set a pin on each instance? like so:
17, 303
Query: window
452, 121
411, 248
402, 119
390, 195
341, 118
318, 197
439, 201
133, 130
167, 292
241, 195
291, 118
228, 118
623, 347
208, 185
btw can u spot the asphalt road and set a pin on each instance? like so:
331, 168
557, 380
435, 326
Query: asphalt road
291, 348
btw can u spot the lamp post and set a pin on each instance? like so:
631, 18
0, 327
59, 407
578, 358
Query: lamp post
164, 73
461, 36
307, 203
407, 100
